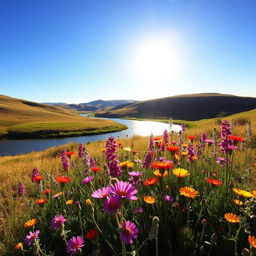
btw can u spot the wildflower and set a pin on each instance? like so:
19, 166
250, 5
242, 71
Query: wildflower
138, 210
58, 195
164, 165
168, 198
57, 222
92, 234
191, 153
62, 179
127, 149
180, 173
191, 137
21, 189
213, 181
69, 153
135, 178
159, 174
69, 202
242, 192
19, 246
124, 190
75, 245
253, 193
88, 179
128, 164
151, 143
150, 181
238, 202
231, 217
101, 192
135, 174
188, 192
35, 173
209, 141
95, 169
148, 159
149, 199
226, 143
81, 150
166, 137
38, 178
221, 161
46, 191
112, 158
88, 202
111, 204
236, 138
252, 241
65, 161
31, 237
41, 201
30, 223
128, 232
173, 149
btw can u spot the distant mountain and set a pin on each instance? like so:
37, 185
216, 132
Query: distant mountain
188, 107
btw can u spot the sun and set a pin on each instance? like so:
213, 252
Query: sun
156, 60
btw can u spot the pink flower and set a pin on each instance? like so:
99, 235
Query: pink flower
122, 190
129, 231
101, 192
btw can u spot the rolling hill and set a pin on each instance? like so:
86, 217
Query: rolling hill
188, 107
25, 119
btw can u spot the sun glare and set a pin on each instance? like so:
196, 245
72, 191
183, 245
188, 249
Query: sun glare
157, 60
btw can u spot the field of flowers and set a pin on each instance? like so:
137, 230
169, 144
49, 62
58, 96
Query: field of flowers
186, 195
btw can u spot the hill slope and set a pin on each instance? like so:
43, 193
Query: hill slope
186, 107
20, 119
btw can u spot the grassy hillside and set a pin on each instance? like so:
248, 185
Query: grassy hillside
25, 119
186, 107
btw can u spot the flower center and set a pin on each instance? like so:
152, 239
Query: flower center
127, 231
122, 193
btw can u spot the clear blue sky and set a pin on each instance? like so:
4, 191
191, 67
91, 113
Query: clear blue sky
81, 50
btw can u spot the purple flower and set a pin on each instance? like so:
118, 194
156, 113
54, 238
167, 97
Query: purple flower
138, 210
101, 192
111, 204
81, 150
221, 161
128, 232
148, 159
210, 142
124, 190
87, 179
191, 153
135, 178
57, 222
166, 137
21, 189
35, 173
135, 174
92, 162
74, 245
65, 161
151, 142
31, 237
168, 198
112, 158
183, 127
226, 144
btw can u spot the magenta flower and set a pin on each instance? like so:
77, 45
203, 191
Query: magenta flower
135, 178
128, 232
65, 161
135, 174
123, 190
21, 189
138, 210
31, 237
57, 222
148, 159
101, 192
111, 204
35, 173
168, 198
81, 150
87, 179
74, 245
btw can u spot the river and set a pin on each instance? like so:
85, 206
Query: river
143, 128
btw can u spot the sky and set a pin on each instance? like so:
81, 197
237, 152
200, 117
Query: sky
77, 51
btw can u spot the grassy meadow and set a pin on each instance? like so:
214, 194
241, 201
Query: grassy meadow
193, 197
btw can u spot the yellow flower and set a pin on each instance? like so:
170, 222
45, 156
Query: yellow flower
188, 192
252, 241
159, 174
127, 149
128, 164
184, 153
241, 192
58, 195
19, 246
181, 173
69, 202
149, 199
88, 202
238, 202
184, 145
231, 217
176, 156
30, 223
253, 193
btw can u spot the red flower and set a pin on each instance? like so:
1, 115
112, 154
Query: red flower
41, 201
191, 137
47, 191
213, 181
69, 153
38, 178
92, 234
95, 169
162, 165
157, 139
173, 149
236, 138
150, 181
62, 179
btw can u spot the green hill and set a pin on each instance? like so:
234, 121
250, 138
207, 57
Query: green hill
188, 107
25, 119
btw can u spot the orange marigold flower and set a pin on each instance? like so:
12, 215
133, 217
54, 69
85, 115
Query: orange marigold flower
236, 138
231, 217
68, 202
252, 241
213, 181
191, 137
92, 234
38, 178
242, 192
19, 246
63, 179
159, 174
41, 201
253, 193
149, 199
238, 202
88, 202
180, 173
173, 149
188, 192
162, 165
30, 223
150, 181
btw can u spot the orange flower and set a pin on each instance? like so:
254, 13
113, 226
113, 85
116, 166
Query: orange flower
252, 241
238, 202
69, 202
191, 137
213, 181
19, 246
242, 192
38, 178
188, 192
173, 149
69, 153
180, 173
88, 202
62, 179
47, 191
231, 217
58, 195
159, 174
149, 199
162, 165
30, 223
236, 138
253, 193
150, 181
41, 201
157, 139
